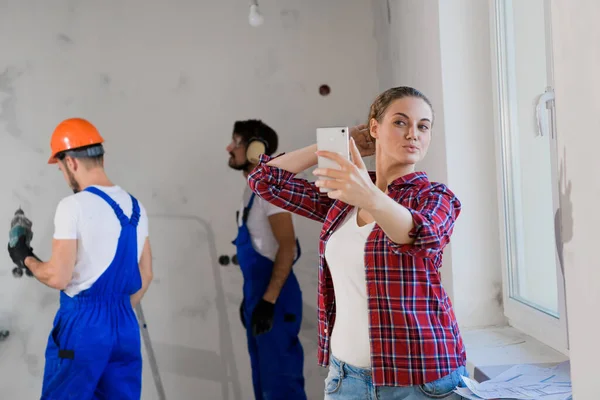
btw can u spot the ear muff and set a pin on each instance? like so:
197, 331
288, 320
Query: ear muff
256, 147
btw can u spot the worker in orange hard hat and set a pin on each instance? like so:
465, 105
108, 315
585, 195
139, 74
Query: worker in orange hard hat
75, 135
101, 262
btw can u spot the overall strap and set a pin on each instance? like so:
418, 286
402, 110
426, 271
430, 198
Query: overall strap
135, 213
247, 208
118, 211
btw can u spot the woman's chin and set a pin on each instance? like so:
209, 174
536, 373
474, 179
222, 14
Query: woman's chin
409, 160
399, 159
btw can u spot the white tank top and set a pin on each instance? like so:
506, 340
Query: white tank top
345, 254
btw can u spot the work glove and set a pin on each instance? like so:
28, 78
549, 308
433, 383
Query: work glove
20, 252
242, 314
262, 317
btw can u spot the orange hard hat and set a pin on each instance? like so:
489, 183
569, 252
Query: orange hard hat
71, 134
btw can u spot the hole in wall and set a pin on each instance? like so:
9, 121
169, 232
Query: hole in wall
324, 90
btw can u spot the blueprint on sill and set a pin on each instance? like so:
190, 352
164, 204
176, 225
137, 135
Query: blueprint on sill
523, 382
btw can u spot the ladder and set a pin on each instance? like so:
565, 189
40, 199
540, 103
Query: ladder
151, 358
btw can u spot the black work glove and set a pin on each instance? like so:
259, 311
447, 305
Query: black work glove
262, 317
242, 314
20, 252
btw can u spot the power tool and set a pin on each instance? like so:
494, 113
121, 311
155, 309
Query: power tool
20, 226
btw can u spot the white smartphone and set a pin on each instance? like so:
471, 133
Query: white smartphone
335, 140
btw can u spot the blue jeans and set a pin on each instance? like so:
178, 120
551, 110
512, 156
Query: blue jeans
345, 382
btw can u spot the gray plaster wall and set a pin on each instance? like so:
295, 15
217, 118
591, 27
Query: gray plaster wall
164, 81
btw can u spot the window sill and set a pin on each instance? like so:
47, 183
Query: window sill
492, 351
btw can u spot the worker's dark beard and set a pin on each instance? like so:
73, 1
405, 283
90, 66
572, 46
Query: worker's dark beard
72, 181
238, 167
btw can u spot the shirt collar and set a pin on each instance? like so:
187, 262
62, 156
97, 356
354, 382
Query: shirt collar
412, 179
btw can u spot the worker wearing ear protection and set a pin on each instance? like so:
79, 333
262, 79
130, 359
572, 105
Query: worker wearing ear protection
267, 248
101, 263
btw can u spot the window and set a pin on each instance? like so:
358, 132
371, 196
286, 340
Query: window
534, 295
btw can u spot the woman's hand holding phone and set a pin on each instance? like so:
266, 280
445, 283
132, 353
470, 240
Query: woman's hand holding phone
351, 183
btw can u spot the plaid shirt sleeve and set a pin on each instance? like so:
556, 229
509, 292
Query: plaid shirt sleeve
434, 212
282, 189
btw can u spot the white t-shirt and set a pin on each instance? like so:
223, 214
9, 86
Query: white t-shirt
91, 220
345, 255
263, 240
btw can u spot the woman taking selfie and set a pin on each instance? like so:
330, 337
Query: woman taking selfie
387, 329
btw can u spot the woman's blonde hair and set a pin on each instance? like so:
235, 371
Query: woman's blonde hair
383, 101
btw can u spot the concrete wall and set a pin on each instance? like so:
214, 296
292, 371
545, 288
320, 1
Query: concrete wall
470, 150
577, 86
467, 157
164, 82
444, 49
174, 76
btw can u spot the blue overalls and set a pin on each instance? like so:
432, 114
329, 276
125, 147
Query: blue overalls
276, 357
94, 349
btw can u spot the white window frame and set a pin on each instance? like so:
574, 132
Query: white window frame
543, 326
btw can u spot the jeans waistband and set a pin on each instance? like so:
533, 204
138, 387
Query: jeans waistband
350, 370
453, 379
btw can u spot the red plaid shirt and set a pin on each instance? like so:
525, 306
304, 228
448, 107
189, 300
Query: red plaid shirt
414, 334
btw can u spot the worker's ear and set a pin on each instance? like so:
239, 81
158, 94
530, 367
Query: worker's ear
72, 163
